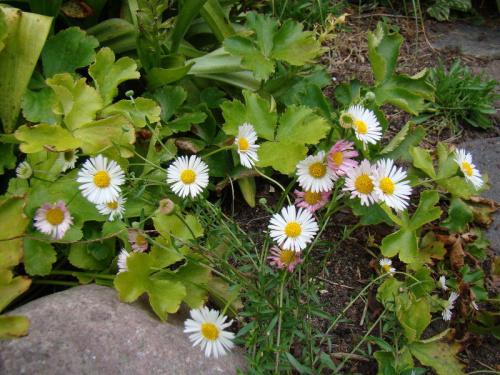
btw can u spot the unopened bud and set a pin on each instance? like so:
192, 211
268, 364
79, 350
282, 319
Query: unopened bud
263, 201
346, 120
129, 93
167, 207
370, 97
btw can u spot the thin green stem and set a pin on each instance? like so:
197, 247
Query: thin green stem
274, 181
54, 282
280, 318
216, 151
84, 274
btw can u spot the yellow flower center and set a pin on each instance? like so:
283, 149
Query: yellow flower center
337, 158
243, 145
68, 156
209, 331
317, 170
188, 176
364, 184
112, 205
387, 186
361, 127
287, 256
101, 179
55, 216
466, 168
140, 240
386, 268
312, 198
293, 229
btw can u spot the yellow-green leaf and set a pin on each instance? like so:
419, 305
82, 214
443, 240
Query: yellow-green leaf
35, 138
13, 327
11, 211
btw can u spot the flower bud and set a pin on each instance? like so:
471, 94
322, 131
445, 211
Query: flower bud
370, 97
346, 120
167, 207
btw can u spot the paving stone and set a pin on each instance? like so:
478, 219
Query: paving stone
87, 330
486, 157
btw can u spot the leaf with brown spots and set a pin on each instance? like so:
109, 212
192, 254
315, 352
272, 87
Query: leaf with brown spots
482, 209
76, 9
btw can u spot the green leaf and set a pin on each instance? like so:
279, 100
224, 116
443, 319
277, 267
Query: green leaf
271, 154
459, 216
219, 291
35, 138
299, 124
404, 242
77, 101
7, 158
186, 118
3, 29
383, 51
108, 74
37, 106
256, 112
388, 291
426, 212
261, 66
11, 287
80, 257
67, 51
136, 112
98, 135
422, 160
447, 164
38, 257
370, 215
313, 97
164, 254
414, 315
169, 98
158, 77
264, 27
456, 186
182, 229
413, 138
26, 34
438, 353
13, 327
11, 211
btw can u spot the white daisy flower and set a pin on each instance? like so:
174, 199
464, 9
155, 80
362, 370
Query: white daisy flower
24, 170
449, 305
189, 176
100, 181
67, 160
359, 182
247, 149
53, 220
386, 266
122, 260
442, 283
314, 175
113, 209
293, 229
138, 241
389, 185
366, 126
207, 329
464, 161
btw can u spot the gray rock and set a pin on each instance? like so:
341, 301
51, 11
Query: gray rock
87, 330
472, 40
486, 157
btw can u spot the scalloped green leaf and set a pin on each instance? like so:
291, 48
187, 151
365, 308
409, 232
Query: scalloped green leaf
169, 98
77, 101
7, 158
26, 34
164, 254
422, 160
98, 135
459, 216
261, 66
136, 112
300, 124
456, 186
414, 315
79, 256
11, 211
11, 287
13, 326
35, 138
256, 112
426, 212
264, 27
67, 51
282, 156
38, 257
402, 242
108, 74
37, 106
383, 51
182, 229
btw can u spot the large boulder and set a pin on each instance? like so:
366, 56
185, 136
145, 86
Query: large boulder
87, 330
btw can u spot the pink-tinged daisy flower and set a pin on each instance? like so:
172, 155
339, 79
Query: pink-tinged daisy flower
188, 176
100, 181
293, 229
312, 201
113, 209
471, 173
67, 160
138, 241
207, 329
386, 266
340, 158
122, 260
284, 258
390, 185
314, 175
53, 220
247, 148
359, 183
366, 126
449, 305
